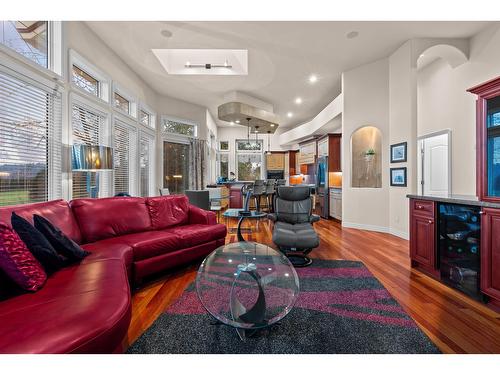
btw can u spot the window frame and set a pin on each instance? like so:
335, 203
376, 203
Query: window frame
249, 152
90, 105
150, 112
132, 111
228, 146
55, 169
104, 80
132, 126
174, 136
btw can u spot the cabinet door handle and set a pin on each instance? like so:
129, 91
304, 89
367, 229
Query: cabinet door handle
481, 212
420, 207
430, 221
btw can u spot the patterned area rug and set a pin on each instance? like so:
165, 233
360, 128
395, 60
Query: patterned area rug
341, 308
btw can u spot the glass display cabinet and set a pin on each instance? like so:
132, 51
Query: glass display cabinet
488, 140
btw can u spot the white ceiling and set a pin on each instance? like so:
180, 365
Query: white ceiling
281, 56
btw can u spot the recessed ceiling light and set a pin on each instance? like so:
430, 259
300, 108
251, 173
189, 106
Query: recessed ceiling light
422, 55
237, 121
298, 100
231, 123
313, 78
352, 35
289, 114
188, 64
272, 125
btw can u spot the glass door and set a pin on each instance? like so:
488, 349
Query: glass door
176, 167
493, 146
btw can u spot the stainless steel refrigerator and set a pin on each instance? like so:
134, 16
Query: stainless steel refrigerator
322, 198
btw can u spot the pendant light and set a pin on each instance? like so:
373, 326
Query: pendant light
256, 134
268, 152
248, 130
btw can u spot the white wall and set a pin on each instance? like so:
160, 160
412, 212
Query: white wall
366, 102
403, 128
444, 103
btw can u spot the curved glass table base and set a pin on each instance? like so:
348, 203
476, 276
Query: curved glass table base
248, 286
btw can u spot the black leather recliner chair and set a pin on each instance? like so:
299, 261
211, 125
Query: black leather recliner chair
293, 231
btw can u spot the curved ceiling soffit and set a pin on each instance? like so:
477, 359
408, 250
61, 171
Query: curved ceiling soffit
454, 51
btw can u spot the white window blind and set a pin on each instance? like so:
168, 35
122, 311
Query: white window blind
30, 141
125, 158
89, 128
146, 164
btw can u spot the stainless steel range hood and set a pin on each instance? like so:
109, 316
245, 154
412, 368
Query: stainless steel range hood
239, 112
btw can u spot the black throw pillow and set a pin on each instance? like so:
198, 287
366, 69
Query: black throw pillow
37, 244
63, 244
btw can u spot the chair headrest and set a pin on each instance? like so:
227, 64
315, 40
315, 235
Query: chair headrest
294, 193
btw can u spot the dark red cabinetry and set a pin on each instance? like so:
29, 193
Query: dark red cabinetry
490, 254
423, 252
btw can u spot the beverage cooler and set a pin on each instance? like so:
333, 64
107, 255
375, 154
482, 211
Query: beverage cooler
458, 247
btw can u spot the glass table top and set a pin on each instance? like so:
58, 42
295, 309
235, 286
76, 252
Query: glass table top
236, 212
247, 285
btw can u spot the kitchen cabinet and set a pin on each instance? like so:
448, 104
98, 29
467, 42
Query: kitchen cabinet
423, 252
330, 145
490, 253
275, 161
307, 152
488, 140
336, 203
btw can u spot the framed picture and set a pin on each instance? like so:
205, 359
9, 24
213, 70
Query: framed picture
398, 152
398, 176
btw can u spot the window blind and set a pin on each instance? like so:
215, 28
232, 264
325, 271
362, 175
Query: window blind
146, 164
89, 128
125, 158
30, 141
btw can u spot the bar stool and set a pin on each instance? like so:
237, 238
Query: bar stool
269, 193
258, 190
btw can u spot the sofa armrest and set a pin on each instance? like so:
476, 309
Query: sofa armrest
199, 216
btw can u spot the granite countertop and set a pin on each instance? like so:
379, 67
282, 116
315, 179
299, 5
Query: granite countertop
471, 200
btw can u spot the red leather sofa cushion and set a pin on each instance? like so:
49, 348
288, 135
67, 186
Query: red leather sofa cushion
57, 212
82, 309
167, 211
153, 243
195, 234
199, 216
110, 217
110, 248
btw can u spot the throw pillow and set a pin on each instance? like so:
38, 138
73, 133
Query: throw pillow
61, 243
39, 246
18, 263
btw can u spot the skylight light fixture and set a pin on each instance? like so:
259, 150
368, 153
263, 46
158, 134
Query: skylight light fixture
209, 65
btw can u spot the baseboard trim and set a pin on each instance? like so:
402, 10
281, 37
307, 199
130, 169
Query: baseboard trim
376, 228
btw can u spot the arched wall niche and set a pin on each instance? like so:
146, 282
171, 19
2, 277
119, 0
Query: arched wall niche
366, 158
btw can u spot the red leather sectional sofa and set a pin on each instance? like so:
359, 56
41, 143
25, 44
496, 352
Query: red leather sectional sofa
85, 308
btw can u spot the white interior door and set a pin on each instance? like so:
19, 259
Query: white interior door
434, 166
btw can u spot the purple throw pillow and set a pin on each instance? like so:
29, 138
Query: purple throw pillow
18, 263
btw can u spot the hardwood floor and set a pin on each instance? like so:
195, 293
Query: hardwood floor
453, 321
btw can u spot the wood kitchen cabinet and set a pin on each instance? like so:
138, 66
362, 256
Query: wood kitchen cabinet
490, 254
423, 252
330, 145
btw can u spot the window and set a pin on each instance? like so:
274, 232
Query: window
224, 165
224, 146
176, 167
249, 166
28, 38
30, 142
85, 81
121, 103
146, 165
248, 145
89, 128
178, 127
145, 118
125, 158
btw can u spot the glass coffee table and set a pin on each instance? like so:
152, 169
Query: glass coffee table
247, 285
242, 215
